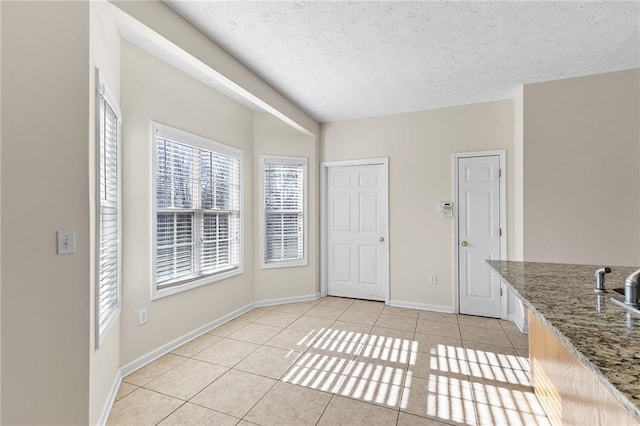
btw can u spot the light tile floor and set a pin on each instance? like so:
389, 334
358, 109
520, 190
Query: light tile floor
338, 361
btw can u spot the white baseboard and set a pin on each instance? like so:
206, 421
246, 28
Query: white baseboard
520, 323
104, 416
421, 306
168, 347
162, 350
283, 300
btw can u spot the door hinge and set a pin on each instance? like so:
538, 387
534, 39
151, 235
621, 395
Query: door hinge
500, 233
499, 172
500, 291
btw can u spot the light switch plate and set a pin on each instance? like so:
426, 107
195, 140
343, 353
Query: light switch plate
66, 241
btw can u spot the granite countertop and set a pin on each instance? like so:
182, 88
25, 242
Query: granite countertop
603, 336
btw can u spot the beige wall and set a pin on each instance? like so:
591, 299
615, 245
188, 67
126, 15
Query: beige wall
420, 147
105, 55
0, 213
515, 309
581, 170
45, 187
517, 183
273, 137
160, 18
46, 301
152, 90
49, 299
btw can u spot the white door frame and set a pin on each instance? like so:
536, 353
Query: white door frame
502, 154
324, 167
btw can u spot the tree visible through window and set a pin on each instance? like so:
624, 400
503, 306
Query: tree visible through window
284, 211
197, 208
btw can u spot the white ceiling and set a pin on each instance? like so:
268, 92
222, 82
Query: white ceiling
344, 60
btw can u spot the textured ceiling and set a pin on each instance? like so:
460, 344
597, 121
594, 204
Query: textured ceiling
343, 60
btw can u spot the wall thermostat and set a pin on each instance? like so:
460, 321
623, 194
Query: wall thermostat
446, 208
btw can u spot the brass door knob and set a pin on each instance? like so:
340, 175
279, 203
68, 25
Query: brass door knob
464, 244
382, 239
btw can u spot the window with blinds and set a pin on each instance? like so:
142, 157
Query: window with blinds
108, 210
197, 201
284, 211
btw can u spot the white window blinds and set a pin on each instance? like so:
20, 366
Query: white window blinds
197, 211
108, 209
284, 210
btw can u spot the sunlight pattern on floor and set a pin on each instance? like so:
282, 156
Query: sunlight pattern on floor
445, 382
353, 364
338, 361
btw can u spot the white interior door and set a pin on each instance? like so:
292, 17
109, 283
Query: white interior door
357, 226
478, 234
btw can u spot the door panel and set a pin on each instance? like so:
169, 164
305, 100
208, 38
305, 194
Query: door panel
368, 180
478, 223
478, 174
342, 263
357, 232
341, 212
367, 265
479, 229
478, 275
342, 181
368, 212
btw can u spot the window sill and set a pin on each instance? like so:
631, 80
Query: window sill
193, 283
284, 264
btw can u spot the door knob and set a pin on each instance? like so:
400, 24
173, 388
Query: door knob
382, 239
464, 244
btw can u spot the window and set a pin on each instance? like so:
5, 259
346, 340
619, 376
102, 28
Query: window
284, 211
197, 211
108, 209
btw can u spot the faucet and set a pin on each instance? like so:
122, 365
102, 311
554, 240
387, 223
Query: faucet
632, 289
600, 279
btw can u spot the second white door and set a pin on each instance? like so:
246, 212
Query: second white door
357, 246
479, 234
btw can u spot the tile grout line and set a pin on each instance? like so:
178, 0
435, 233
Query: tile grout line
333, 395
171, 413
258, 401
306, 350
279, 380
259, 375
190, 401
406, 375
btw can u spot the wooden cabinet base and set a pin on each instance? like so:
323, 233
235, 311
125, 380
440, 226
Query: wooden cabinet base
568, 392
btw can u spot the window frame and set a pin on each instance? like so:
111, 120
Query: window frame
278, 159
200, 142
104, 94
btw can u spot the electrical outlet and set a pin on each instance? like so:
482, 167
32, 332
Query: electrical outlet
142, 316
433, 279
